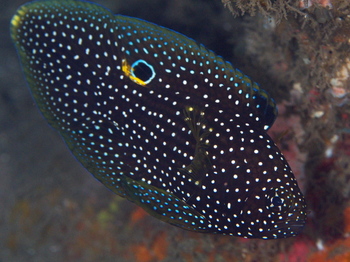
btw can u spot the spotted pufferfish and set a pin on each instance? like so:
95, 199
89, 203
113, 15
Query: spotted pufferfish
159, 119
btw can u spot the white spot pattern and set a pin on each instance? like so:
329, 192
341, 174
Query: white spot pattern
215, 171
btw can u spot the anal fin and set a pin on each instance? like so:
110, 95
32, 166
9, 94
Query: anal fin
164, 205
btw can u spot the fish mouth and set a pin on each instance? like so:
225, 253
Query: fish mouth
294, 224
290, 227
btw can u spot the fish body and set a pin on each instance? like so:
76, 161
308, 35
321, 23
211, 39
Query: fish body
159, 119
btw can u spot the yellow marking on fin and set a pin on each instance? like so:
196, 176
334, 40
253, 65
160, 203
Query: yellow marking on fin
127, 69
17, 17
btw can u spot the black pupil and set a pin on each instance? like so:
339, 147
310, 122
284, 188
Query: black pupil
276, 201
142, 71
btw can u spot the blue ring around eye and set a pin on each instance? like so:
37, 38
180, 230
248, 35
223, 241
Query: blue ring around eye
136, 63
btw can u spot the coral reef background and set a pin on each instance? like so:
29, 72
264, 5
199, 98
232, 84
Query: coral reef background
53, 210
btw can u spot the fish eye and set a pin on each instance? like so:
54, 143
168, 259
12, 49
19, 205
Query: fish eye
143, 71
277, 201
